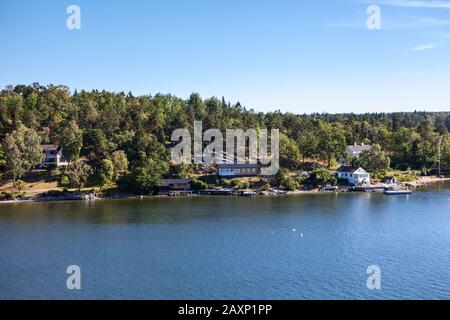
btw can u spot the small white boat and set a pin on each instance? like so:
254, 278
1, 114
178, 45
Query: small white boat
397, 192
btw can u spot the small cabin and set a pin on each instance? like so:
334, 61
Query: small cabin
238, 170
355, 176
53, 155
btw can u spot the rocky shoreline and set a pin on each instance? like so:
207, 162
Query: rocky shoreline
420, 182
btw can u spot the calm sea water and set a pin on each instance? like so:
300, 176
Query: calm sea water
230, 248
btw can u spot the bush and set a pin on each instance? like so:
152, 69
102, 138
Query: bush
224, 182
291, 184
20, 185
320, 177
105, 173
265, 187
9, 195
238, 184
342, 182
64, 181
333, 180
198, 185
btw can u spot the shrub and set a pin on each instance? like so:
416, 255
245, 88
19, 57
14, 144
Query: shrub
333, 180
198, 185
224, 182
64, 181
20, 185
291, 184
238, 184
8, 195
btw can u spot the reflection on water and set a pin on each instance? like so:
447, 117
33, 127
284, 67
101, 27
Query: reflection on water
299, 247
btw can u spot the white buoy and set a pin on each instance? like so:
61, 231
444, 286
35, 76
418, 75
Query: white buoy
293, 230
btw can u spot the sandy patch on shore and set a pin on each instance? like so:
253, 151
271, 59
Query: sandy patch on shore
422, 181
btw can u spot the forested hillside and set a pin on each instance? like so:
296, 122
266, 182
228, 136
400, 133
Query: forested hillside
125, 137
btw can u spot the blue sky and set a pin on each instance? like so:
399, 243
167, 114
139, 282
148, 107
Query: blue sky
298, 56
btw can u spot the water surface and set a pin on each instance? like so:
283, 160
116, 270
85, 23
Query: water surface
299, 247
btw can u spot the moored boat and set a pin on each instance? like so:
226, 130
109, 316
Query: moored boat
397, 192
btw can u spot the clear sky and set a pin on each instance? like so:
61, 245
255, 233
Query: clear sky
291, 55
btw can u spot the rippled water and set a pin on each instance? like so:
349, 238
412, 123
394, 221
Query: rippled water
230, 248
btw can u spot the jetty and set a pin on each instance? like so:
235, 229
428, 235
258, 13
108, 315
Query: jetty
225, 192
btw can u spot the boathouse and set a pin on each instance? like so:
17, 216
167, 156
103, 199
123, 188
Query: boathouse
174, 187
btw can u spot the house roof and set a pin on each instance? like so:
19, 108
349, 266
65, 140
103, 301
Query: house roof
348, 169
388, 178
168, 182
357, 149
49, 147
236, 166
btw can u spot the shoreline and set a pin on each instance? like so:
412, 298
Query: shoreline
418, 183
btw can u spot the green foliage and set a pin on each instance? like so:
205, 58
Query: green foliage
64, 181
265, 187
144, 179
105, 173
290, 156
332, 144
198, 185
95, 145
225, 183
129, 130
22, 151
78, 173
333, 181
285, 180
2, 160
10, 195
20, 185
374, 161
320, 177
71, 141
120, 163
183, 171
239, 184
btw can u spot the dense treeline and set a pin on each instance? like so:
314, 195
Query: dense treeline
126, 137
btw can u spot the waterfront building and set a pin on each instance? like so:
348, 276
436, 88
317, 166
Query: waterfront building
53, 155
238, 170
355, 176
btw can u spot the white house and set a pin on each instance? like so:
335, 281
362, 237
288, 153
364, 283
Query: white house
354, 151
52, 155
237, 170
354, 175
